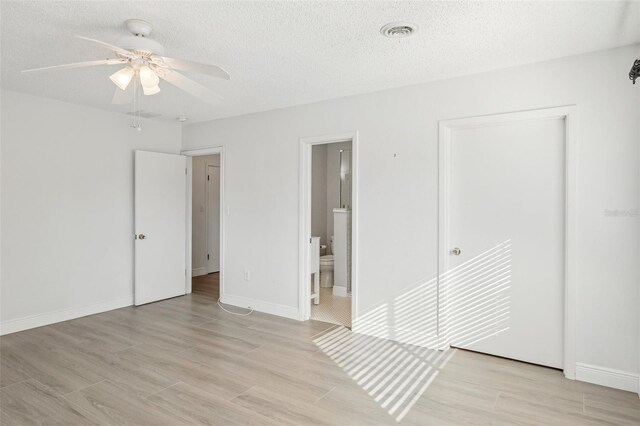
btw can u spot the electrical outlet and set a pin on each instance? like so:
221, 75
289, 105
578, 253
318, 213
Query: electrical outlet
247, 275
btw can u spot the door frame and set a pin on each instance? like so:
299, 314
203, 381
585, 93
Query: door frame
190, 153
566, 113
206, 209
304, 290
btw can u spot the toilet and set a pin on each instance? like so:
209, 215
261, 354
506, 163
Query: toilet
326, 269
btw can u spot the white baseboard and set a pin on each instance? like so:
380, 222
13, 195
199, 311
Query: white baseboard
47, 318
339, 290
196, 272
261, 306
607, 377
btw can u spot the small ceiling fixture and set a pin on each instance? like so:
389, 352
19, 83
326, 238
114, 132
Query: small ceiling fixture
398, 29
182, 118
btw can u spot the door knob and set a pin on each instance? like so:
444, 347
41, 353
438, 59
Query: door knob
456, 251
141, 236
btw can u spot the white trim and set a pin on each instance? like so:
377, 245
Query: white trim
261, 306
188, 226
571, 143
52, 317
304, 218
609, 377
196, 272
339, 291
189, 219
206, 215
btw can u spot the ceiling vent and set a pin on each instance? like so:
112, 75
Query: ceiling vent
398, 29
143, 114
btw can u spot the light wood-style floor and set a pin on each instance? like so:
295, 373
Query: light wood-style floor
185, 361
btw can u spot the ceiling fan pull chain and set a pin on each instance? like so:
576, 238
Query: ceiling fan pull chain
136, 105
139, 105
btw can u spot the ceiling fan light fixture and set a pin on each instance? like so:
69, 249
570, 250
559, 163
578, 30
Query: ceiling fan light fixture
148, 91
148, 78
123, 77
144, 65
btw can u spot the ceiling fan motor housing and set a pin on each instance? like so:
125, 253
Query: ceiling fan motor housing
138, 41
142, 45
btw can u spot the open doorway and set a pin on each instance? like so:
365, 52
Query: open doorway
205, 222
205, 231
328, 228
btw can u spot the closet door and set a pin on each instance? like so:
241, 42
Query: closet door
506, 248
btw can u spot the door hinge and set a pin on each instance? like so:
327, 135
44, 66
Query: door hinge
207, 257
208, 177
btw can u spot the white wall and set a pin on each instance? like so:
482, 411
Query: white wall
198, 201
398, 195
319, 194
67, 207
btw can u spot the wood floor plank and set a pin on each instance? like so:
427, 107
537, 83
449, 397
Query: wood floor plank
203, 408
5, 420
135, 378
282, 409
343, 398
30, 402
257, 337
146, 328
538, 407
326, 376
218, 381
617, 407
56, 368
92, 332
186, 361
10, 371
106, 403
259, 373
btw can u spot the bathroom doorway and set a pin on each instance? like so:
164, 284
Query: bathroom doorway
328, 218
205, 224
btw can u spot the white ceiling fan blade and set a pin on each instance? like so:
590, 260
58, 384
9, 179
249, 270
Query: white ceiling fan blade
116, 49
123, 97
190, 66
192, 87
77, 65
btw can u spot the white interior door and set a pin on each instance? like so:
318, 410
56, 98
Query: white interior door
506, 214
160, 214
213, 219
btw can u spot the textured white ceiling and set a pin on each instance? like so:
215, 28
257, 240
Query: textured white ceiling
289, 53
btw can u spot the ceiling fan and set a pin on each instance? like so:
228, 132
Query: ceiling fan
145, 64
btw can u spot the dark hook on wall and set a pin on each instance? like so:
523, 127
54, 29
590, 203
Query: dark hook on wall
635, 71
